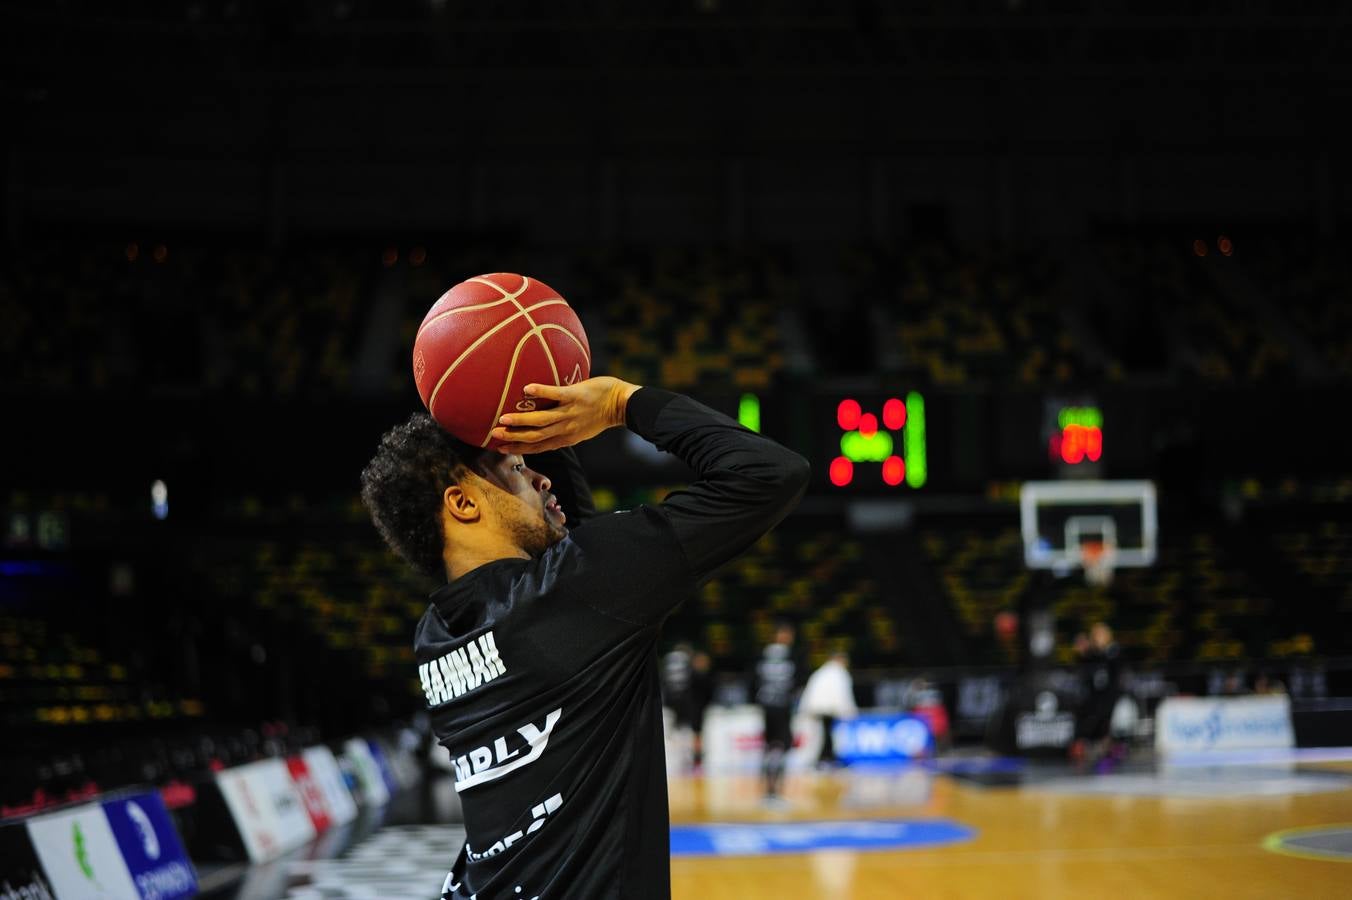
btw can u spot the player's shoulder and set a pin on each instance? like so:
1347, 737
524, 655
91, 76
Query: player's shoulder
643, 522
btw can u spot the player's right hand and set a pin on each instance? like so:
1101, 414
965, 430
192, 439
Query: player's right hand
582, 411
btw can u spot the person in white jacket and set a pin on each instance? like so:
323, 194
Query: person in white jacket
829, 695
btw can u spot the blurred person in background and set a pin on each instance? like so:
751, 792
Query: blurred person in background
1101, 672
829, 695
700, 695
926, 701
686, 691
778, 674
676, 679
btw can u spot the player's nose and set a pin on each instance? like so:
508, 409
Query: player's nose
541, 482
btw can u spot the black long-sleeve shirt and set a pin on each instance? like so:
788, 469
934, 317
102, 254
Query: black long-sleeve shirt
541, 674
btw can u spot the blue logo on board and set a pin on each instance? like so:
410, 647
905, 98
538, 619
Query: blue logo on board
882, 738
150, 847
753, 839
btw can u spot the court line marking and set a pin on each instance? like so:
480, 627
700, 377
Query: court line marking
959, 855
1273, 843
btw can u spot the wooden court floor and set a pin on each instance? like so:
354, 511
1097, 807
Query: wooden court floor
1031, 841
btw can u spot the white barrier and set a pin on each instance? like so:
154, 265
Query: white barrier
125, 845
329, 778
1196, 724
734, 737
81, 855
266, 807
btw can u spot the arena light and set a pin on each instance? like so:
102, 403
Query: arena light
894, 470
1086, 416
841, 471
847, 414
859, 447
894, 414
748, 412
913, 439
1079, 443
159, 500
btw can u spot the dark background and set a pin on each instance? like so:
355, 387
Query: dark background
220, 219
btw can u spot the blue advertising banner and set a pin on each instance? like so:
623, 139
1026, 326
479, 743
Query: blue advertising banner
383, 763
882, 738
801, 837
150, 846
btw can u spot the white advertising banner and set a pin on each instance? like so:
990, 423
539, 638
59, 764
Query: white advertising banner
294, 826
329, 777
247, 798
80, 855
734, 738
1202, 724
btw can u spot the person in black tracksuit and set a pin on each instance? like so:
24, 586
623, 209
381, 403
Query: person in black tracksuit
779, 674
700, 695
538, 658
1101, 675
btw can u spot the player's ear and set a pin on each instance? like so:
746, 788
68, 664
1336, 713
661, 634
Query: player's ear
459, 504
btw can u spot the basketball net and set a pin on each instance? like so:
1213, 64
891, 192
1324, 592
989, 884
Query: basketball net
1096, 558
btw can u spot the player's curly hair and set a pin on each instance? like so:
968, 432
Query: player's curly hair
403, 484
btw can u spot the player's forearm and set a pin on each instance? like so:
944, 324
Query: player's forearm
711, 443
745, 483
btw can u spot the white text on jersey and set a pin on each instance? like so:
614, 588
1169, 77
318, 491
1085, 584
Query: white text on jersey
462, 670
489, 763
539, 813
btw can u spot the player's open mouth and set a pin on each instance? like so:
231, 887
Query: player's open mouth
553, 506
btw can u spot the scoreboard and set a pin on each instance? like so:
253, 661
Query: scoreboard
876, 442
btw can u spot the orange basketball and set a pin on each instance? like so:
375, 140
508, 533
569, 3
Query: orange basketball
484, 341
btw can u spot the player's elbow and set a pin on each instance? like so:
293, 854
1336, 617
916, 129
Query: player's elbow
793, 473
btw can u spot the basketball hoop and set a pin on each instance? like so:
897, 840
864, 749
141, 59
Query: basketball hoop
1096, 558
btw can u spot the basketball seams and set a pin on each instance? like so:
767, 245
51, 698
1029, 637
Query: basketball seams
554, 326
534, 327
498, 302
506, 386
432, 398
511, 370
459, 309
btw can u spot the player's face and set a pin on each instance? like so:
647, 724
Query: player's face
523, 503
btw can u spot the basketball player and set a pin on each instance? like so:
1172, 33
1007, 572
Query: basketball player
1101, 666
538, 657
778, 675
677, 679
701, 695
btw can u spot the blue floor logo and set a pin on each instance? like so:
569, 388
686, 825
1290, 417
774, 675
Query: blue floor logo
801, 837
